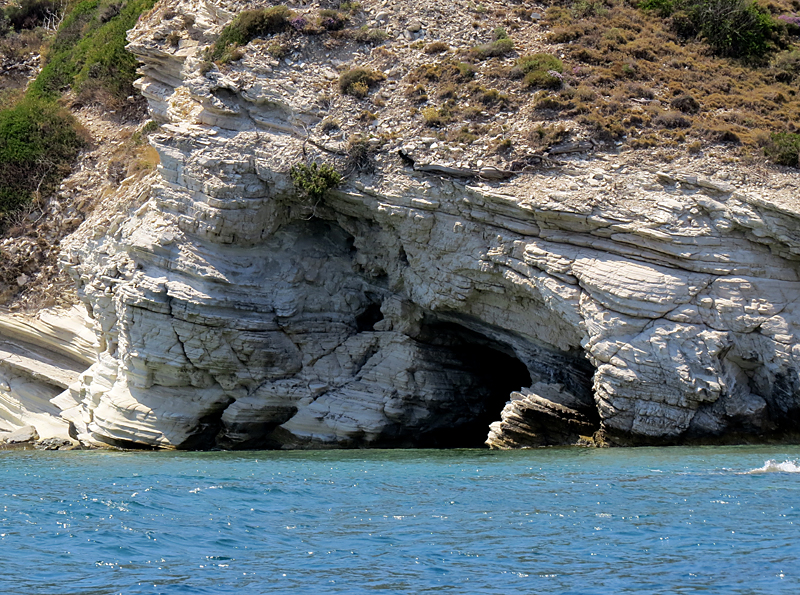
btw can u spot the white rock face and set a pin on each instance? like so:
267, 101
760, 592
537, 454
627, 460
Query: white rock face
24, 434
39, 359
405, 308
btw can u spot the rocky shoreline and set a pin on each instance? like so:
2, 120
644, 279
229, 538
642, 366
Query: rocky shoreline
27, 437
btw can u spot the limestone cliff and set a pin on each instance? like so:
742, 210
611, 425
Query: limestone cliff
410, 308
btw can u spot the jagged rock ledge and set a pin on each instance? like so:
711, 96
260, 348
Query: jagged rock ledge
40, 358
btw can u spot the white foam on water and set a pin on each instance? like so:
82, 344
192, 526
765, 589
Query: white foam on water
772, 466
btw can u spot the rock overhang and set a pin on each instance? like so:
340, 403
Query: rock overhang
651, 306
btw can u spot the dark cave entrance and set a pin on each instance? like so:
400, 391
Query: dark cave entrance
495, 372
367, 319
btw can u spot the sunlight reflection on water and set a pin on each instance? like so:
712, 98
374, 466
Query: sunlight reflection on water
645, 520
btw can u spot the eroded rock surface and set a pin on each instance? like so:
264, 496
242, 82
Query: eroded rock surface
406, 308
543, 415
22, 435
41, 357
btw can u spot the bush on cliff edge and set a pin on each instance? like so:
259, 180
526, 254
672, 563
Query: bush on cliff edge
315, 180
88, 54
39, 139
783, 148
248, 25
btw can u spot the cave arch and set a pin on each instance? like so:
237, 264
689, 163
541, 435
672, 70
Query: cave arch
496, 372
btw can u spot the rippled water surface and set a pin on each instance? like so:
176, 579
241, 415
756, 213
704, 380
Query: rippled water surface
669, 520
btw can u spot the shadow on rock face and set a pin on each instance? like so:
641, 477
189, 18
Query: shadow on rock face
496, 372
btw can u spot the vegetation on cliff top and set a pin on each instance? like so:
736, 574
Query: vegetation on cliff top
640, 73
39, 139
722, 70
88, 53
732, 28
248, 25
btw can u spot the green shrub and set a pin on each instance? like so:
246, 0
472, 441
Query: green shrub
140, 135
315, 180
250, 24
38, 142
89, 54
664, 8
463, 135
366, 35
38, 139
541, 70
350, 7
74, 25
465, 70
488, 97
500, 33
493, 49
357, 82
444, 72
587, 8
733, 28
437, 117
539, 62
542, 79
783, 148
276, 50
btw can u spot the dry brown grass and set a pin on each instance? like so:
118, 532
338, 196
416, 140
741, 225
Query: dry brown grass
627, 77
620, 59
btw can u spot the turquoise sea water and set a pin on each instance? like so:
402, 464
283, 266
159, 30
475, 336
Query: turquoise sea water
650, 520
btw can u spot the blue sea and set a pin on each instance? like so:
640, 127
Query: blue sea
644, 520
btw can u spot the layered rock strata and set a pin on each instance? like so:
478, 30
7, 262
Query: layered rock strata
406, 308
39, 359
543, 415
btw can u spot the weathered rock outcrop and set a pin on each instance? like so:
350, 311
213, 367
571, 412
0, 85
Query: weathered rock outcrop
543, 415
39, 359
405, 308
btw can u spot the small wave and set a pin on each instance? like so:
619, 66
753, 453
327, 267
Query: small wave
772, 466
